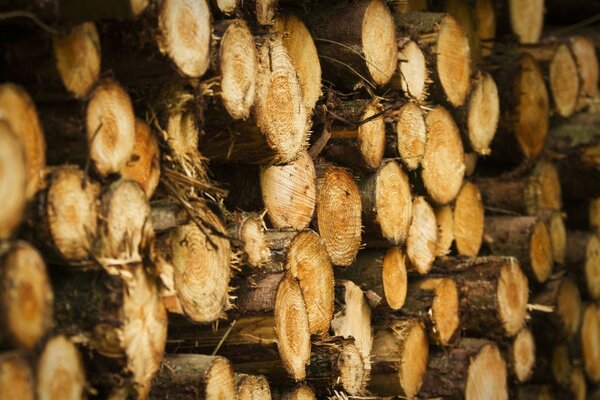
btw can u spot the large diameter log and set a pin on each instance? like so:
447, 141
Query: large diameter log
19, 111
521, 355
362, 49
474, 369
446, 49
443, 164
399, 360
199, 263
412, 75
16, 377
583, 252
562, 297
411, 135
252, 387
194, 375
493, 293
64, 11
468, 217
338, 214
526, 238
144, 165
26, 297
381, 275
590, 341
387, 202
120, 319
523, 125
436, 302
13, 180
422, 236
60, 371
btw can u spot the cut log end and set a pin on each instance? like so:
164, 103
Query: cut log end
220, 380
485, 17
443, 165
252, 387
289, 192
487, 375
26, 297
590, 341
110, 127
444, 217
394, 277
302, 392
527, 20
411, 134
578, 384
483, 114
238, 65
592, 267
512, 293
255, 241
144, 165
60, 371
71, 212
309, 262
468, 220
560, 364
565, 81
292, 325
594, 213
422, 236
444, 309
16, 377
13, 180
185, 34
412, 75
544, 191
453, 60
18, 109
371, 135
558, 236
569, 306
379, 43
339, 215
522, 355
351, 367
540, 252
265, 11
77, 55
587, 64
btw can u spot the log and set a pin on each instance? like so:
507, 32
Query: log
252, 387
558, 234
583, 214
338, 213
246, 230
144, 164
435, 301
587, 64
554, 364
13, 180
16, 377
493, 293
226, 7
299, 392
469, 220
20, 112
26, 297
362, 49
526, 238
444, 217
446, 49
381, 275
521, 20
64, 11
485, 21
119, 319
563, 298
473, 369
521, 356
395, 343
60, 371
263, 10
590, 337
442, 166
411, 135
578, 384
412, 75
184, 376
387, 203
582, 253
537, 392
422, 236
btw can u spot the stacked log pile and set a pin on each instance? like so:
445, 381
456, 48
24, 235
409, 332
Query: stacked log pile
313, 199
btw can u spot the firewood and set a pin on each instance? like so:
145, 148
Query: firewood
60, 371
521, 355
422, 236
583, 250
485, 21
587, 64
590, 336
144, 165
561, 318
411, 135
412, 75
468, 217
444, 217
16, 377
252, 387
522, 20
13, 180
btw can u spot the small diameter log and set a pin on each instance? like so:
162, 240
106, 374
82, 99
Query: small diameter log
444, 217
411, 135
583, 214
478, 117
246, 230
252, 387
524, 102
60, 371
226, 7
485, 22
381, 275
60, 11
352, 317
443, 164
435, 301
521, 356
412, 75
558, 234
399, 358
361, 49
526, 192
120, 319
300, 392
13, 180
471, 159
587, 64
582, 256
525, 238
469, 220
199, 376
26, 296
493, 293
17, 108
262, 10
590, 341
521, 19
387, 203
474, 369
338, 214
446, 49
357, 144
303, 55
422, 236
578, 384
537, 392
562, 297
199, 267
144, 164
16, 377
